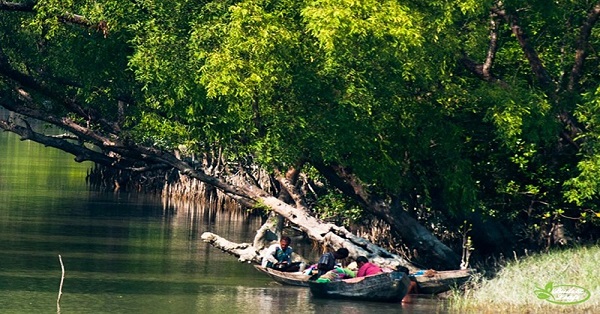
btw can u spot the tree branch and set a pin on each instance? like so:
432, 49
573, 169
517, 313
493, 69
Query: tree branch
493, 46
80, 152
27, 81
477, 70
29, 6
537, 67
29, 111
26, 6
288, 183
582, 46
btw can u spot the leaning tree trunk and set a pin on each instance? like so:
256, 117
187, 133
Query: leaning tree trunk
429, 247
327, 234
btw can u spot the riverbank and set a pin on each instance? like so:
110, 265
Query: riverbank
565, 281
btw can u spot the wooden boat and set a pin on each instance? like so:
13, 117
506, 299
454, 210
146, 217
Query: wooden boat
436, 282
385, 287
286, 278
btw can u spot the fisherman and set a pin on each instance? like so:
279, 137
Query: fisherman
279, 256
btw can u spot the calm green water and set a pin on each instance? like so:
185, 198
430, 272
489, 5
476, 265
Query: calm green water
126, 253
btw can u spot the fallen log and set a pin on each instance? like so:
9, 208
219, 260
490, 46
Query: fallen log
328, 235
244, 251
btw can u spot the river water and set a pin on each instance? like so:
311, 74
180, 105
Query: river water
129, 253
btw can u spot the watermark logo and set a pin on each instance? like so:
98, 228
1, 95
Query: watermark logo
562, 294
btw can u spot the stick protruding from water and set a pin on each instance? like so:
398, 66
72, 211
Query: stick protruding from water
62, 278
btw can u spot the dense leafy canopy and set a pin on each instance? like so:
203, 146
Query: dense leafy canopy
457, 107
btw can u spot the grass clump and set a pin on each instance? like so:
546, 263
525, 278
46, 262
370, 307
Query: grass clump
554, 282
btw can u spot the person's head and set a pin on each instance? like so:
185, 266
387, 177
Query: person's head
284, 242
361, 260
341, 253
402, 269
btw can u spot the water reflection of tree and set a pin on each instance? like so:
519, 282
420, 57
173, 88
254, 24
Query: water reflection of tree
216, 216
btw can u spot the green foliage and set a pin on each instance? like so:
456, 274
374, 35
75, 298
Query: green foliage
261, 207
334, 206
378, 87
584, 189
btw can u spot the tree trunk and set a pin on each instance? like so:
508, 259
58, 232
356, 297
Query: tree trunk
329, 235
431, 250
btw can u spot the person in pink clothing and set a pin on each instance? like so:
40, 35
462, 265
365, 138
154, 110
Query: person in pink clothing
365, 268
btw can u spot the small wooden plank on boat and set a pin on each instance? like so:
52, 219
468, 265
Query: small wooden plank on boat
286, 278
385, 287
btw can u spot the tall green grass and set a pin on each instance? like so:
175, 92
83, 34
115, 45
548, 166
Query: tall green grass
513, 288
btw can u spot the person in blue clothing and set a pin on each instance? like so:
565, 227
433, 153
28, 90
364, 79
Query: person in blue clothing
279, 256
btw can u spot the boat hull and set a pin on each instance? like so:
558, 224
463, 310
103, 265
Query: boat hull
386, 287
441, 281
286, 278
